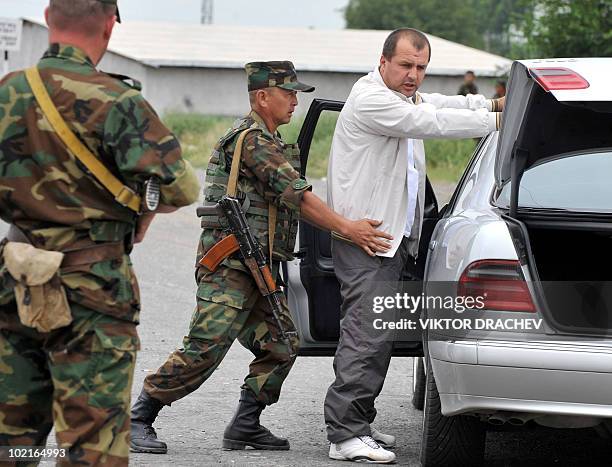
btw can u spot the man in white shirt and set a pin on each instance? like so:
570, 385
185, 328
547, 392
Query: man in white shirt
377, 171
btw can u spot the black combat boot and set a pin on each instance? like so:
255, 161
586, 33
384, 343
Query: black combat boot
244, 429
143, 437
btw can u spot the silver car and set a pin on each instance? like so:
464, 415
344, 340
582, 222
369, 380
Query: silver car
528, 231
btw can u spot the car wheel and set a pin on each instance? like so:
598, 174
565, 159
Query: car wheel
418, 383
450, 441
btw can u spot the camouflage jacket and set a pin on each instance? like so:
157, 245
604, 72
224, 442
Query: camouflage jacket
52, 198
269, 173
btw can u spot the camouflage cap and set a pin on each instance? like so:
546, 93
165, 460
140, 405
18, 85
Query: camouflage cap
279, 74
112, 2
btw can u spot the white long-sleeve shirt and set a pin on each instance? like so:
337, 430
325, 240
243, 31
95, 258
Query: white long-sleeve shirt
368, 164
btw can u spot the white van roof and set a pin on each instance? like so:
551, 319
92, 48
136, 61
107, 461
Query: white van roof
596, 71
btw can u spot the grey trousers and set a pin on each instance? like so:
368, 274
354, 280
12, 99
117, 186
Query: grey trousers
362, 360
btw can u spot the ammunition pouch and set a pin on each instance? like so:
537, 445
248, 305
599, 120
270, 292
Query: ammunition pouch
41, 299
40, 295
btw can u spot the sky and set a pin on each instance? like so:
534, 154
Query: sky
320, 14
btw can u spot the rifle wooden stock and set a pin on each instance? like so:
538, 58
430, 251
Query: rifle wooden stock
219, 252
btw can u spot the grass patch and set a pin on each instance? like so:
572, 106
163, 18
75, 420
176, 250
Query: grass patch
321, 142
198, 134
447, 159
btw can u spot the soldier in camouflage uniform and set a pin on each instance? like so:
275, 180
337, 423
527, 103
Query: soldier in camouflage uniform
229, 304
77, 377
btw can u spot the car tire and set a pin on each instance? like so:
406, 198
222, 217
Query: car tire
418, 383
458, 440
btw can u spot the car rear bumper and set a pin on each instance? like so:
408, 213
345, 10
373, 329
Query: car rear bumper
537, 377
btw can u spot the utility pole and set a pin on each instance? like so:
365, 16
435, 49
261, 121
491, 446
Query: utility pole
207, 11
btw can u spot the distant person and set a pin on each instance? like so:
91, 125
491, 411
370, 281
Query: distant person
500, 89
469, 84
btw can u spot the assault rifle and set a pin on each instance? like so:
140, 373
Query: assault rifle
240, 238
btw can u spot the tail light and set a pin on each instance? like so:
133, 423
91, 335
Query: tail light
556, 79
500, 283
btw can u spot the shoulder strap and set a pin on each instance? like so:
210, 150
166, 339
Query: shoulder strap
272, 214
123, 195
232, 185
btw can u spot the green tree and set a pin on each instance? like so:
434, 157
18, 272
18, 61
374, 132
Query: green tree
455, 20
512, 28
499, 20
567, 28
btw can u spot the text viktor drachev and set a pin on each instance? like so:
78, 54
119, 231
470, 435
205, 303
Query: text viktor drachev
412, 304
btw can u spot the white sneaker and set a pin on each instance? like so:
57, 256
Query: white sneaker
386, 441
361, 449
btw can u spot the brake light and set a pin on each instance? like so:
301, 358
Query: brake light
554, 79
499, 282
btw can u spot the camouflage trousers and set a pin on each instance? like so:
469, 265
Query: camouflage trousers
229, 307
77, 378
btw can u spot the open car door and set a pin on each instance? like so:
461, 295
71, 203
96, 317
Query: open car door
313, 290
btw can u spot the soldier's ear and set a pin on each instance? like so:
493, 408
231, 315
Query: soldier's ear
262, 98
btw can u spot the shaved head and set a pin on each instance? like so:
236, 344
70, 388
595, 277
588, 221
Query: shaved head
85, 17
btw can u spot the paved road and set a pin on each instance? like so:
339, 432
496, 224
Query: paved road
193, 426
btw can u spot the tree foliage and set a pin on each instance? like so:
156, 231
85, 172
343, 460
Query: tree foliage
512, 28
567, 28
451, 19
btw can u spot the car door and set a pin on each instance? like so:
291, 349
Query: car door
314, 291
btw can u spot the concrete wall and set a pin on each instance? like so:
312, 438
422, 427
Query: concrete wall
34, 42
203, 90
113, 63
215, 91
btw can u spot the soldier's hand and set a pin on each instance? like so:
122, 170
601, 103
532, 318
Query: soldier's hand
365, 234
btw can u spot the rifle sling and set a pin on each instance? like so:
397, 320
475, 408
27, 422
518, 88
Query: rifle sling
232, 185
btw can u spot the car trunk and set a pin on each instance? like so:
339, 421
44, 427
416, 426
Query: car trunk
568, 247
571, 255
573, 265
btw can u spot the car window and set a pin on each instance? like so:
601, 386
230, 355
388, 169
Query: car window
469, 177
575, 182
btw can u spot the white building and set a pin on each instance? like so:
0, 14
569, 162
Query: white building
199, 68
